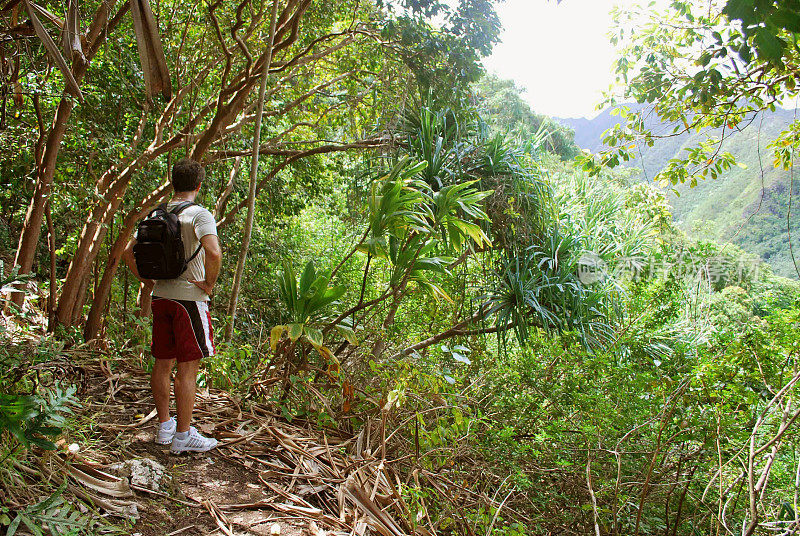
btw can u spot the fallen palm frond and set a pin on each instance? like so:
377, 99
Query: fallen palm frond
334, 480
219, 517
151, 50
104, 491
345, 482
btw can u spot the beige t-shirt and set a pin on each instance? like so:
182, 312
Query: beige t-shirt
196, 222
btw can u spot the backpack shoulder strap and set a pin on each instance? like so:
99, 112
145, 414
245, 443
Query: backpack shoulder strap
177, 210
190, 259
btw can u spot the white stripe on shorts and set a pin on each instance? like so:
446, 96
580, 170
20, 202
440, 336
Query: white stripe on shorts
202, 308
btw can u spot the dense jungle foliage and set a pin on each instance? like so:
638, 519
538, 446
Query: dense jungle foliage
425, 254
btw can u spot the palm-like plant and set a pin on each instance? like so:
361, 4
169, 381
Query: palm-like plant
455, 209
398, 205
540, 288
307, 301
307, 298
433, 137
411, 224
538, 282
521, 208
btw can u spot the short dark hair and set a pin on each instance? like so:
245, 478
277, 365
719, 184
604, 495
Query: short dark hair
187, 174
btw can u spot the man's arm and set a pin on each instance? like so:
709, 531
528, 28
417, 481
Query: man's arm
213, 262
127, 256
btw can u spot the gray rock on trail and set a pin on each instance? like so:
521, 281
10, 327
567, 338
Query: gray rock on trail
145, 473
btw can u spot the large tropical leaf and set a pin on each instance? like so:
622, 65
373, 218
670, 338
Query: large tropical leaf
453, 206
307, 300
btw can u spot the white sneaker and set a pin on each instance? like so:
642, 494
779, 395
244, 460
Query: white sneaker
194, 442
165, 434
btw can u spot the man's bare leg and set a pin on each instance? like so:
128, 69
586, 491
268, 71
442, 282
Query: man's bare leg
185, 387
159, 383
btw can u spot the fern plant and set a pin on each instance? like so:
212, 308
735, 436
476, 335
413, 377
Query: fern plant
54, 516
31, 419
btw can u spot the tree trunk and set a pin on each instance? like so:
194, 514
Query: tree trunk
92, 236
81, 299
251, 197
93, 321
29, 238
110, 191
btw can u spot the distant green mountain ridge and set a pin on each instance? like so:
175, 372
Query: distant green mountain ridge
747, 207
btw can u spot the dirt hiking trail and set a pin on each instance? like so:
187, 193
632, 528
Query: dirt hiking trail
267, 477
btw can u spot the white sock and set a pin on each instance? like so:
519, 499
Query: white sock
182, 435
166, 425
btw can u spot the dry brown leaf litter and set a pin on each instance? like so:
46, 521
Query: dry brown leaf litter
328, 485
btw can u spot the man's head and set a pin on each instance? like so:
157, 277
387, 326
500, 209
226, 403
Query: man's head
187, 175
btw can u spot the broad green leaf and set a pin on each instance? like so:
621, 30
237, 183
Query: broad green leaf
416, 168
334, 293
474, 232
788, 19
307, 279
42, 443
314, 336
435, 290
316, 290
330, 295
295, 330
48, 430
17, 432
745, 53
770, 46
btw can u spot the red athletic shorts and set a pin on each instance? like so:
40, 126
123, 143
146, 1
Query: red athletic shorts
181, 329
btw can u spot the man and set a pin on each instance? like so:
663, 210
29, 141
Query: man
181, 321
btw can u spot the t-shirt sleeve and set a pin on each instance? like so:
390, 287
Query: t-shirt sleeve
204, 224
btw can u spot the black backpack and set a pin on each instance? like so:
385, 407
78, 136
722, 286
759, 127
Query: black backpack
159, 251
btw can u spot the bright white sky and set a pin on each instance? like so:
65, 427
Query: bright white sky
559, 53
